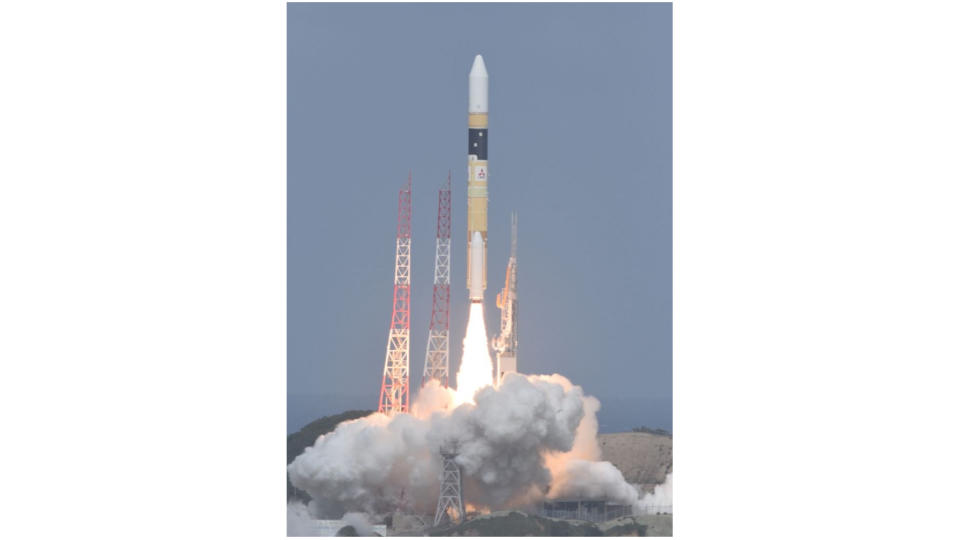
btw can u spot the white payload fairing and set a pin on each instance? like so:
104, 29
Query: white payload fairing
477, 176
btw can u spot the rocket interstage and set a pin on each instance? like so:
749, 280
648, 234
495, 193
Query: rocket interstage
477, 177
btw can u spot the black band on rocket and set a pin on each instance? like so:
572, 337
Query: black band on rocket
477, 143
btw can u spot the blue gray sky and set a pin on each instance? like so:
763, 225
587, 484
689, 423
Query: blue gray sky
579, 144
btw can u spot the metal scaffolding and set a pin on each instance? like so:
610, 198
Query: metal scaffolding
507, 343
437, 363
395, 389
451, 492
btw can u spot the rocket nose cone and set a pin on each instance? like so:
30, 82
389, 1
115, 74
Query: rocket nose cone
479, 69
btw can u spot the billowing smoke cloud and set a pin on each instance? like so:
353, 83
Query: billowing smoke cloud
300, 521
532, 437
359, 522
661, 500
579, 473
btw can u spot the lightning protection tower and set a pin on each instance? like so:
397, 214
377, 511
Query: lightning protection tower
395, 390
437, 364
451, 491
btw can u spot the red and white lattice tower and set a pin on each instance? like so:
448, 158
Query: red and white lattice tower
395, 390
437, 364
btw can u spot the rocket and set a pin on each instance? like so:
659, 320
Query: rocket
477, 176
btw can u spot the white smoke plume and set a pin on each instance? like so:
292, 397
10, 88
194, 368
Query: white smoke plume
531, 437
299, 522
302, 522
579, 473
661, 500
359, 522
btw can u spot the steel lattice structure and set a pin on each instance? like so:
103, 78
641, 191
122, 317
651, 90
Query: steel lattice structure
451, 491
437, 363
395, 390
507, 343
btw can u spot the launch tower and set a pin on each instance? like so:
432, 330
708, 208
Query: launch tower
451, 491
395, 389
507, 342
437, 364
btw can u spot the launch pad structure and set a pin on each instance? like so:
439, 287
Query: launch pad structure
437, 363
506, 344
451, 491
395, 388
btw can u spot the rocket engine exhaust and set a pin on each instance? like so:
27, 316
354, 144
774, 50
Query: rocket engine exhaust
476, 366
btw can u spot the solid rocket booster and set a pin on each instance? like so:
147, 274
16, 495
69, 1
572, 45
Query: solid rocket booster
475, 272
477, 176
